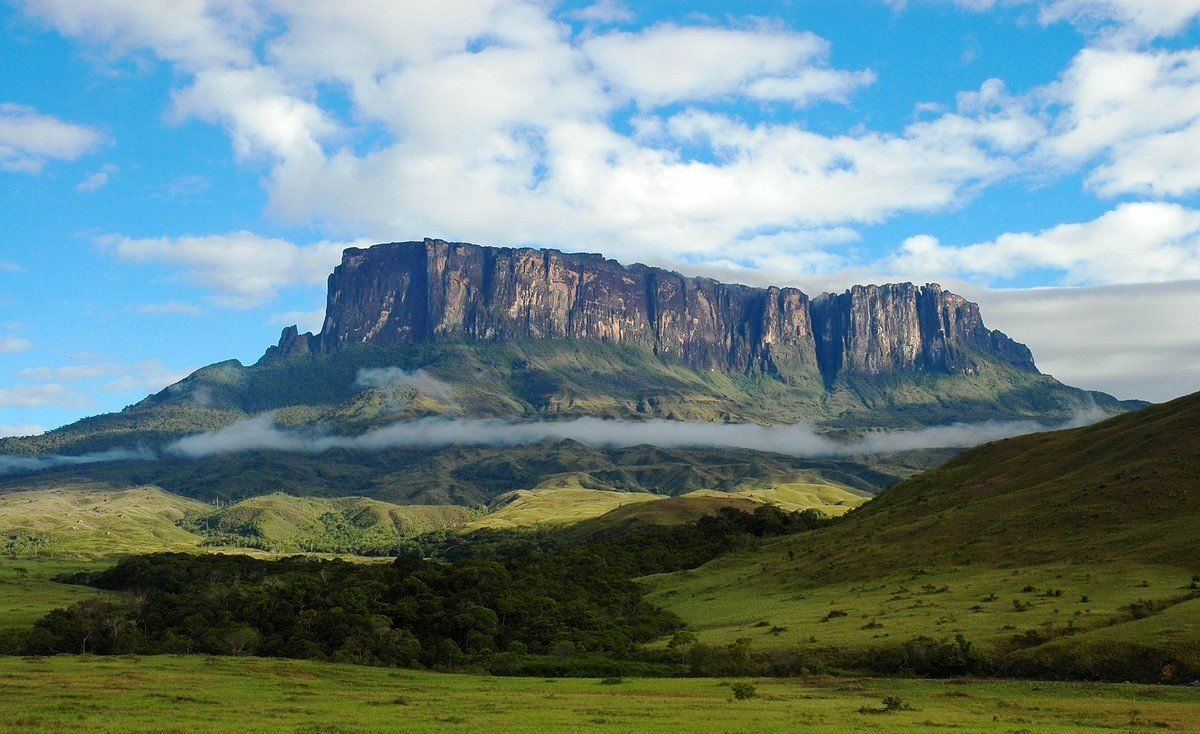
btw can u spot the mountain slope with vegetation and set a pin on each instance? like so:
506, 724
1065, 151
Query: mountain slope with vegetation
475, 475
1066, 553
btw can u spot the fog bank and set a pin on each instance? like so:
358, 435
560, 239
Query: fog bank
261, 433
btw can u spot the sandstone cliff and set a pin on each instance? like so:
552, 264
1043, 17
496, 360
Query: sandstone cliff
395, 294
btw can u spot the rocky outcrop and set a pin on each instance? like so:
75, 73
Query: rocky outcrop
900, 327
403, 293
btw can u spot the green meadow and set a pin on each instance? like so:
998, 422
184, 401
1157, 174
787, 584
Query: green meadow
203, 694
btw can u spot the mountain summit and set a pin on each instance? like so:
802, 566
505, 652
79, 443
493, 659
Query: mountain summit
399, 294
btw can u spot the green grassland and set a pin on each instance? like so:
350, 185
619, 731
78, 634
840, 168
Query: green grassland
200, 694
28, 589
556, 505
86, 522
564, 501
1001, 545
82, 521
755, 596
281, 523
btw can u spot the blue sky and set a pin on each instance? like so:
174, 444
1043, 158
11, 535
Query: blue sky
177, 179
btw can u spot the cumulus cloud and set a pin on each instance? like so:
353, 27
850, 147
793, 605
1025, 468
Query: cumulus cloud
419, 380
1138, 111
669, 63
496, 103
1133, 19
28, 140
1133, 243
241, 269
260, 433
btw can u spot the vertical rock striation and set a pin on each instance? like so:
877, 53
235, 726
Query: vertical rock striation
403, 293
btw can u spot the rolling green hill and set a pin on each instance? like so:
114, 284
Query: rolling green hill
83, 522
91, 522
1073, 548
282, 523
570, 499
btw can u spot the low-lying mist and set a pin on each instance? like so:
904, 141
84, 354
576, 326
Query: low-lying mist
10, 464
262, 434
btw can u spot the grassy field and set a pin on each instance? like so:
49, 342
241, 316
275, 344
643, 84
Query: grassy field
285, 524
555, 506
566, 502
27, 591
195, 694
79, 521
1064, 538
755, 596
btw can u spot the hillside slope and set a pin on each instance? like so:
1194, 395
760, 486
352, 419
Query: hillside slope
1126, 489
474, 475
1065, 553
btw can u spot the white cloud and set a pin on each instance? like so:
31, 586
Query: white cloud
668, 63
1136, 19
604, 11
419, 380
7, 267
1133, 243
21, 430
96, 181
260, 433
488, 120
192, 33
241, 269
1138, 112
13, 344
1134, 341
41, 396
28, 139
141, 377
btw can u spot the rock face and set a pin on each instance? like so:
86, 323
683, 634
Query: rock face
402, 293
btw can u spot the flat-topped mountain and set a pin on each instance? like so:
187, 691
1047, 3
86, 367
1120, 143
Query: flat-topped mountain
432, 328
399, 294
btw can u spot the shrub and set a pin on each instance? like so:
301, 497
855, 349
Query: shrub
743, 691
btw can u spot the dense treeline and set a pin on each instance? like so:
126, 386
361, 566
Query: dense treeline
494, 600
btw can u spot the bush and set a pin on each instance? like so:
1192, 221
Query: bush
743, 691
